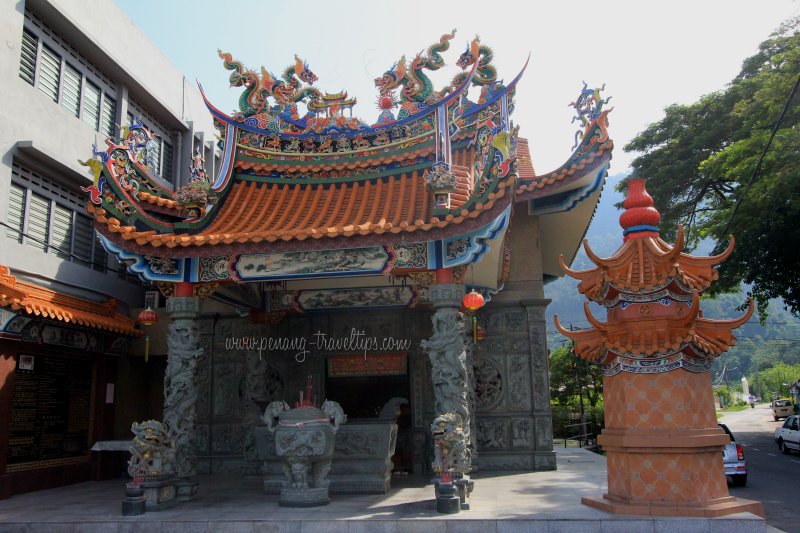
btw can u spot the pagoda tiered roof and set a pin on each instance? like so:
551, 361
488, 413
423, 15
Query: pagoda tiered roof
651, 291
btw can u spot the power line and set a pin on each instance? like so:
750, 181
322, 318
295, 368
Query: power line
723, 240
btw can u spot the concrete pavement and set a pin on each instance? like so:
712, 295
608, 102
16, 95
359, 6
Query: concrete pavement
512, 502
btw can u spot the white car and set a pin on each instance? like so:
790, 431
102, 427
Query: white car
788, 435
733, 460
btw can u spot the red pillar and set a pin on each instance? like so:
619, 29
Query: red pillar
184, 288
444, 276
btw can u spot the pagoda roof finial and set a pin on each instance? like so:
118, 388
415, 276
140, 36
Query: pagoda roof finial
640, 218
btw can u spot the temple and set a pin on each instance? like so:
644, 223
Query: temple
308, 245
344, 236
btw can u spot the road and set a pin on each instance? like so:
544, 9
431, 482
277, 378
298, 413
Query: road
773, 478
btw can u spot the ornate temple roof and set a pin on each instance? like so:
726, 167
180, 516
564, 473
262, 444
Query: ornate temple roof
437, 172
255, 213
38, 301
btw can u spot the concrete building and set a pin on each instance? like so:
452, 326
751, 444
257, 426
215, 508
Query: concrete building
69, 81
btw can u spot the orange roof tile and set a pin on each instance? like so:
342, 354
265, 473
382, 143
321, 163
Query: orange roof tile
529, 183
524, 163
268, 212
39, 301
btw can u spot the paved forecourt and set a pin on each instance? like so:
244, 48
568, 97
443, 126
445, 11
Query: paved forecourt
510, 502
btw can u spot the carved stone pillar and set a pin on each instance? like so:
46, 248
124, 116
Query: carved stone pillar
180, 392
544, 458
447, 350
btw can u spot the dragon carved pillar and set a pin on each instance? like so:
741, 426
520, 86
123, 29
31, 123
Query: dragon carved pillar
180, 392
448, 352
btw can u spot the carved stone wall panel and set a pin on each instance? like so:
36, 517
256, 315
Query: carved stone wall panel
544, 433
493, 434
226, 390
489, 383
201, 439
227, 439
522, 432
514, 321
519, 388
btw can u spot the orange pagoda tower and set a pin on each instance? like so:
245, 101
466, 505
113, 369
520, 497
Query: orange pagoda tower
661, 436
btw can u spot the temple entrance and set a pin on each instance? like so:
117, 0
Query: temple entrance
364, 387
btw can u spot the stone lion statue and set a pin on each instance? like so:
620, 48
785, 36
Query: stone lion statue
271, 413
335, 411
152, 450
450, 444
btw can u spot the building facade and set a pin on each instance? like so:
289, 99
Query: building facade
69, 82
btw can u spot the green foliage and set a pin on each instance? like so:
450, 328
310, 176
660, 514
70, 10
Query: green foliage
769, 383
699, 158
567, 373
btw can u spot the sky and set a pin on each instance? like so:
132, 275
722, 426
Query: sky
649, 55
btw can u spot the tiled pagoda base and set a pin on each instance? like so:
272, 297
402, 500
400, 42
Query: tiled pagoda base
664, 448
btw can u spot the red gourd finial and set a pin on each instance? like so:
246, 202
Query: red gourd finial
640, 218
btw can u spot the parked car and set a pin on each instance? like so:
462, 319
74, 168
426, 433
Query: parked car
788, 435
782, 408
733, 460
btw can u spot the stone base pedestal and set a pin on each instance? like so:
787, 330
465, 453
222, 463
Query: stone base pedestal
310, 497
134, 502
159, 494
710, 509
186, 490
664, 448
447, 499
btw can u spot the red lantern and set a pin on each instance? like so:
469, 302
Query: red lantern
148, 317
473, 300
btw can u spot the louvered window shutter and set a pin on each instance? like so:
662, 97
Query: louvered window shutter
82, 243
61, 238
100, 258
71, 93
156, 155
108, 116
38, 222
49, 73
91, 105
16, 212
166, 162
27, 60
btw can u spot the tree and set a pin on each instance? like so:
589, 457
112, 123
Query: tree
699, 159
569, 374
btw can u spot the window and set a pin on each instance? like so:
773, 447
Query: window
166, 161
49, 72
108, 116
91, 105
27, 62
48, 217
71, 92
16, 212
38, 217
161, 155
66, 77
